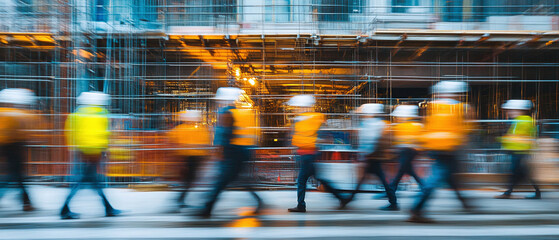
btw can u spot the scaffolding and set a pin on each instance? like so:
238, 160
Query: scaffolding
157, 57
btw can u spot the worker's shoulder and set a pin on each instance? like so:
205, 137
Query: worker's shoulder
524, 118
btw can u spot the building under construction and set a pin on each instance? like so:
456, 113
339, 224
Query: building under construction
157, 57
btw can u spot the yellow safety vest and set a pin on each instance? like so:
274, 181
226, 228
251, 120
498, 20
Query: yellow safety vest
521, 134
188, 135
245, 127
445, 126
306, 130
406, 134
88, 129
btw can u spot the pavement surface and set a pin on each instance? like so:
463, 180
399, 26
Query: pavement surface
149, 215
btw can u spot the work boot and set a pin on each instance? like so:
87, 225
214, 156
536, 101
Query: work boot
419, 218
28, 207
343, 203
203, 213
112, 212
66, 214
503, 196
537, 195
297, 209
390, 207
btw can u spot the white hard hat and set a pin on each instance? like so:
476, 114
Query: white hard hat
93, 98
190, 115
17, 96
228, 93
371, 108
409, 111
517, 104
304, 100
450, 87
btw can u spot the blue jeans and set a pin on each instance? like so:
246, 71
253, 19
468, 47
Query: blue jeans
519, 172
405, 157
188, 175
14, 155
88, 175
374, 167
443, 171
235, 158
307, 169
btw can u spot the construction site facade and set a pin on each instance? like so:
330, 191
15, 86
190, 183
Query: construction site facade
158, 57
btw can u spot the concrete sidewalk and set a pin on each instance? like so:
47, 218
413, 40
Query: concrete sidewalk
148, 217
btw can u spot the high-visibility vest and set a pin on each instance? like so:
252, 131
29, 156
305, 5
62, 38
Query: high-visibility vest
190, 135
88, 129
521, 134
306, 128
406, 134
245, 127
12, 122
445, 125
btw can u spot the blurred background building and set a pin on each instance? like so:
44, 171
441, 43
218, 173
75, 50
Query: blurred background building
157, 57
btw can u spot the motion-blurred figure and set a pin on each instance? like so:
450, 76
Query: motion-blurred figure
305, 134
373, 138
192, 137
88, 132
518, 141
235, 139
445, 133
14, 120
406, 132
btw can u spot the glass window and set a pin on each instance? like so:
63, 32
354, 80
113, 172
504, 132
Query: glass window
277, 11
402, 6
101, 13
145, 10
452, 11
337, 10
201, 12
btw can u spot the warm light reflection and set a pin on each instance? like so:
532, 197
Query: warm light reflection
252, 81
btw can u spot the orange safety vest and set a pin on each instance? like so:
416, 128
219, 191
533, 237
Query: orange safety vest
406, 134
445, 125
245, 127
12, 123
188, 135
306, 130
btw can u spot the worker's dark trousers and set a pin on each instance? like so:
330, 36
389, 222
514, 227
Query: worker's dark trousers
443, 171
87, 175
307, 169
374, 167
234, 160
405, 157
189, 173
14, 155
520, 172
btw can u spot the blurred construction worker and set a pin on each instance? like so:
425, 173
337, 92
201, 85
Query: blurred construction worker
406, 132
374, 140
518, 142
14, 121
444, 135
193, 139
235, 135
304, 137
87, 131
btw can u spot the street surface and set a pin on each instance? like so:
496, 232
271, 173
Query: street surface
149, 216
